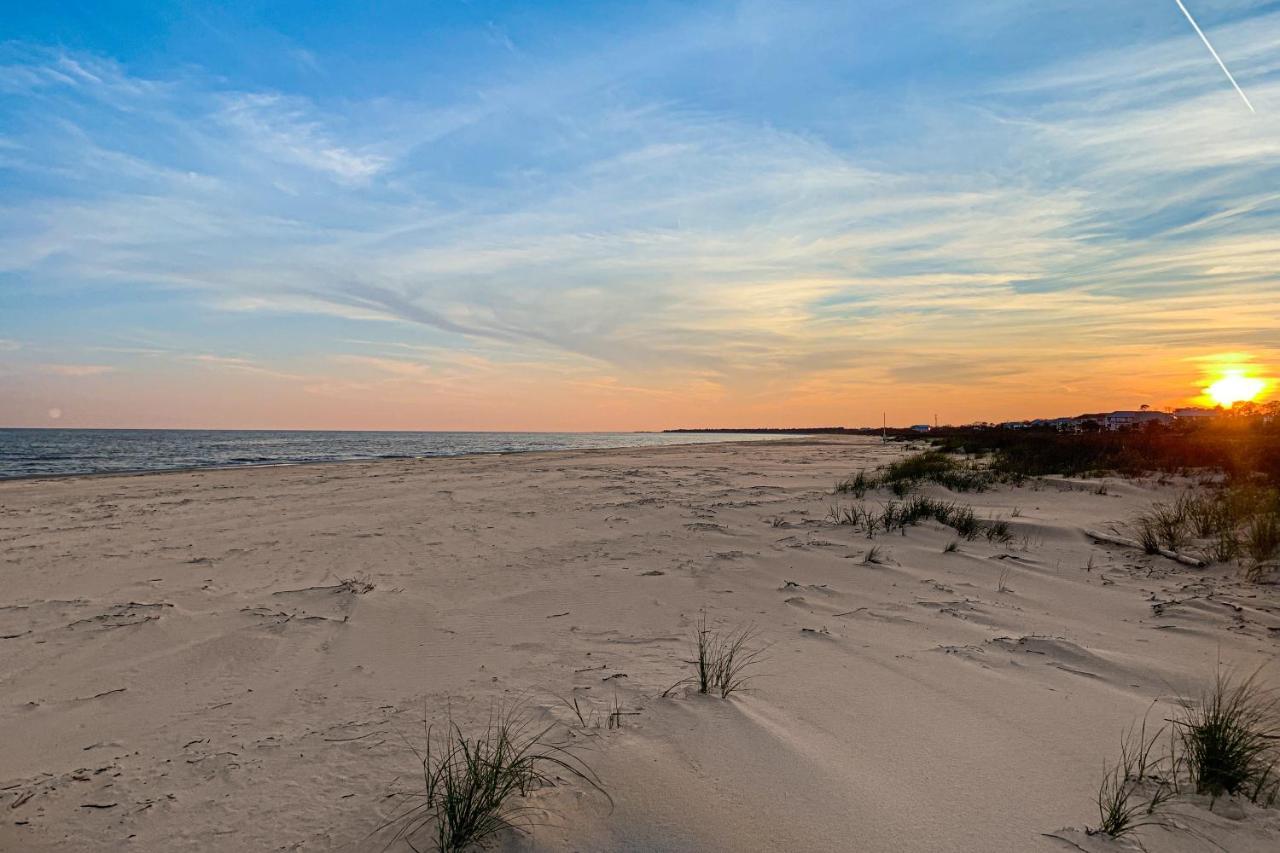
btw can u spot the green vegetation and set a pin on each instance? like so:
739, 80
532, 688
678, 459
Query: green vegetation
471, 784
1227, 742
933, 466
858, 485
906, 475
899, 515
1242, 448
1230, 739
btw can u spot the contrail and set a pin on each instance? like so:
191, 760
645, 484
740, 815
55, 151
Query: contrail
1221, 64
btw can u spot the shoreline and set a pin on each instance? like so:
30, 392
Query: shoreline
237, 466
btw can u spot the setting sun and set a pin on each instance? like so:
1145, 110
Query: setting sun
1234, 387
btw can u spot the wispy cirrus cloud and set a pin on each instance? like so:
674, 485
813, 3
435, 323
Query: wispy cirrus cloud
398, 367
77, 371
281, 129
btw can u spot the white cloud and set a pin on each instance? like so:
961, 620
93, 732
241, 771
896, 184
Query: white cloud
394, 366
77, 370
283, 130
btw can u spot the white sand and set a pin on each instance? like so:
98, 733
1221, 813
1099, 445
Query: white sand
178, 674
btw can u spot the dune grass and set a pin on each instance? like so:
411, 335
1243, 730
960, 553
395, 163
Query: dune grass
722, 659
1136, 788
906, 475
858, 485
934, 466
1230, 739
472, 785
1262, 538
1224, 743
1221, 523
899, 515
1002, 585
998, 531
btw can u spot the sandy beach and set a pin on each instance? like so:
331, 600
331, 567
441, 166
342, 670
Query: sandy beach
239, 660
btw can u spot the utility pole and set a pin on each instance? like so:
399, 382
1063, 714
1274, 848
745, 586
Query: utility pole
884, 428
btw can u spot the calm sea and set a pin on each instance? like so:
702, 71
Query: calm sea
42, 452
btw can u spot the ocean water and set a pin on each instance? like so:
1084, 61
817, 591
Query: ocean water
45, 452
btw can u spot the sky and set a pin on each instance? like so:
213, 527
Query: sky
631, 215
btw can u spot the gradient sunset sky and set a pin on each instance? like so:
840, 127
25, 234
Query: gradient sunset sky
483, 215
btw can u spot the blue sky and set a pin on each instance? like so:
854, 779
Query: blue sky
612, 215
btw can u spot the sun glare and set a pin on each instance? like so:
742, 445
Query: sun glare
1234, 387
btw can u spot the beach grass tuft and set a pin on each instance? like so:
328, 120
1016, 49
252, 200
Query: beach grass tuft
1134, 790
899, 515
357, 585
1222, 522
1002, 585
858, 485
722, 659
1230, 739
1148, 536
1262, 542
998, 531
472, 785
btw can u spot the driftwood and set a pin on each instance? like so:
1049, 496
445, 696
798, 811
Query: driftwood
1133, 543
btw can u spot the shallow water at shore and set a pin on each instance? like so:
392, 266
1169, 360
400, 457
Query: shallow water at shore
54, 452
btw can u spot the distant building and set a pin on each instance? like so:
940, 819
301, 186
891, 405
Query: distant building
919, 427
1128, 420
1059, 424
1195, 412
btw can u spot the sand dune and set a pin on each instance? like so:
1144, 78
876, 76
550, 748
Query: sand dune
237, 660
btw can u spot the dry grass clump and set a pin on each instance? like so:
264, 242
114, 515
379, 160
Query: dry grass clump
472, 785
998, 531
1222, 523
356, 585
721, 659
1262, 543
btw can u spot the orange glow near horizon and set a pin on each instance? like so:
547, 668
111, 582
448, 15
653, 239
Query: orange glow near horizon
443, 390
1235, 387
